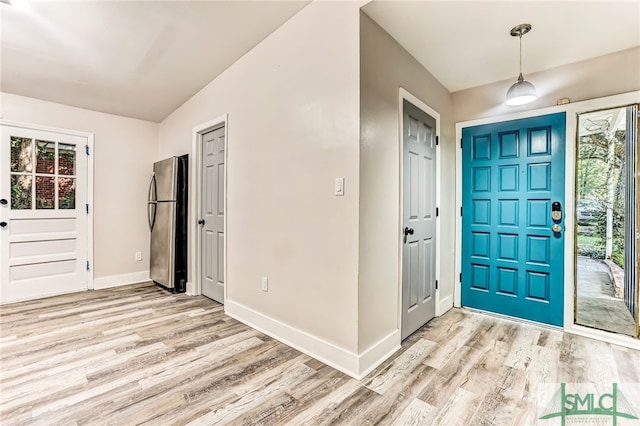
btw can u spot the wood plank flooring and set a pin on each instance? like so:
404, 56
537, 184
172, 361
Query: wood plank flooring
139, 355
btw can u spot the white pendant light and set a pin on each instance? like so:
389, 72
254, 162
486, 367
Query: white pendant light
522, 92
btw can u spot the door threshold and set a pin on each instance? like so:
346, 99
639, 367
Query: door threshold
513, 319
579, 330
604, 336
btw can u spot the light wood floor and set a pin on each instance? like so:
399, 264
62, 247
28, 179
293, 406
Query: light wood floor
138, 355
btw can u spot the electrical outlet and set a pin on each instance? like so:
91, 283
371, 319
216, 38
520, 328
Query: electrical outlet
138, 256
265, 284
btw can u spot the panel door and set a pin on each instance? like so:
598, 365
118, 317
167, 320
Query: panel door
212, 214
419, 219
43, 232
512, 246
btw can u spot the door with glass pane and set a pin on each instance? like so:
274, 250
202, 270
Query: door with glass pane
43, 213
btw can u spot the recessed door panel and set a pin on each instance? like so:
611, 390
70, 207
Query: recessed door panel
419, 230
507, 202
212, 215
43, 237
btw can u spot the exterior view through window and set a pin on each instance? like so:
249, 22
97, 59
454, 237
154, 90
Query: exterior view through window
603, 197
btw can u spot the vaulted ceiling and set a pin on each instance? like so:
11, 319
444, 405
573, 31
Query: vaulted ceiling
143, 59
140, 59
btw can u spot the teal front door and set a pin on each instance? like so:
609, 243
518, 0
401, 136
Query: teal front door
513, 218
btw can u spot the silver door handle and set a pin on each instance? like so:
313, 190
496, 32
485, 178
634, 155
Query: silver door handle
151, 217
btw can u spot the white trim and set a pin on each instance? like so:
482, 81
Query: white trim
90, 275
120, 280
571, 111
194, 286
605, 336
444, 304
378, 353
354, 365
90, 137
403, 95
30, 126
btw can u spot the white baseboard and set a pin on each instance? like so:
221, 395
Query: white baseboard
120, 280
354, 365
378, 353
444, 305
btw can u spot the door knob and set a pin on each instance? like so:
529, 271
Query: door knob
201, 222
3, 202
3, 224
556, 228
408, 231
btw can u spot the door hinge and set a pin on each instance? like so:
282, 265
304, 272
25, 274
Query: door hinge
460, 143
436, 284
437, 212
86, 208
460, 210
460, 276
437, 140
88, 266
86, 149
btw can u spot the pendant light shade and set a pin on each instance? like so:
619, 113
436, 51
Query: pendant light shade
521, 92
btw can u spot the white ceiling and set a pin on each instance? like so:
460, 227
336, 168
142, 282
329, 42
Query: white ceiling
143, 59
140, 59
467, 43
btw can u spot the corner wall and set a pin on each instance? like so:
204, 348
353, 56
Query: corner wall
124, 152
292, 105
385, 67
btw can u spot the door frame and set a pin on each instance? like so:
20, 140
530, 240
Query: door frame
572, 110
90, 143
402, 96
194, 284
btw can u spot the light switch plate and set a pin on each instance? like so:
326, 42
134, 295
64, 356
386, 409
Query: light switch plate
339, 186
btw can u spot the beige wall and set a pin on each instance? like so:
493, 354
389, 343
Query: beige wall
595, 78
385, 67
124, 152
292, 105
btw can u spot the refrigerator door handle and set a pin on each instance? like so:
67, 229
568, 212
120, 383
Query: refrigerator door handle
153, 192
151, 214
152, 204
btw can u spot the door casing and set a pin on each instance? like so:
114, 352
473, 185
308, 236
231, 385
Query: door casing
194, 285
406, 95
571, 110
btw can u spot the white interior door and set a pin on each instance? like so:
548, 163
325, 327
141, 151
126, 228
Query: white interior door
419, 219
43, 213
212, 215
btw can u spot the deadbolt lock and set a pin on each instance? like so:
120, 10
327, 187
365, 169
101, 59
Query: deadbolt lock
556, 211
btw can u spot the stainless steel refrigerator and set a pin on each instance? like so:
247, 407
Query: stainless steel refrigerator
167, 211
